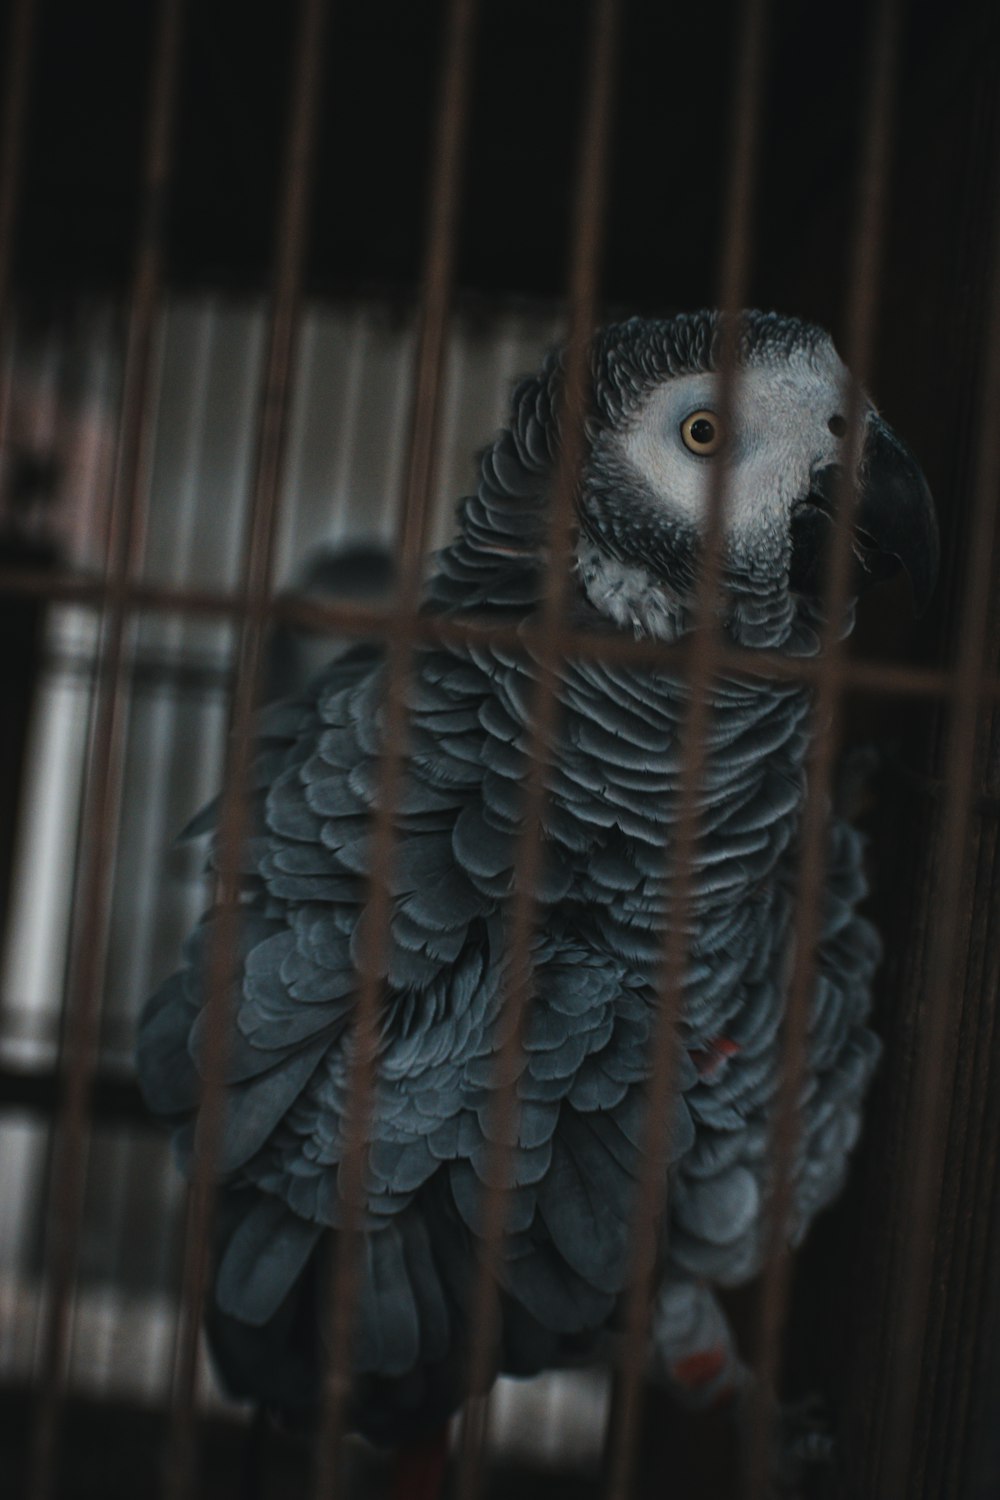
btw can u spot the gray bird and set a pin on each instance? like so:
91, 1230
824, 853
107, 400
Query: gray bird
653, 437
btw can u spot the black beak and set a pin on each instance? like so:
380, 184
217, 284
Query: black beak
894, 524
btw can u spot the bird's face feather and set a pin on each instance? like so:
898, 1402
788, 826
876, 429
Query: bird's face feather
778, 435
657, 450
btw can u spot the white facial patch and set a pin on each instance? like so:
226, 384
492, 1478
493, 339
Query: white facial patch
779, 435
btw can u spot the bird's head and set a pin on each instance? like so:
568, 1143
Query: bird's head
658, 445
658, 440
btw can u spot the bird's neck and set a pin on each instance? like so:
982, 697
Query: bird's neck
630, 596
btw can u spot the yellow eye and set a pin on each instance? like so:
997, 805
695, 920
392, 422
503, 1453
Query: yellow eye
701, 433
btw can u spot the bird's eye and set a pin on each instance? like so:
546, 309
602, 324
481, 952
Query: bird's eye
837, 425
701, 433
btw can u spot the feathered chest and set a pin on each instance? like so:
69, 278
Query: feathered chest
614, 781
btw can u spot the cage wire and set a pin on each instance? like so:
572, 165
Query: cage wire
206, 488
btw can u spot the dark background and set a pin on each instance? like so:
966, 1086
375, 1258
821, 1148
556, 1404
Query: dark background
669, 170
76, 235
76, 228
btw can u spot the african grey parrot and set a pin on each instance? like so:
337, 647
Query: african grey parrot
653, 435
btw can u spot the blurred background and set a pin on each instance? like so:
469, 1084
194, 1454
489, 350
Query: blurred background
72, 256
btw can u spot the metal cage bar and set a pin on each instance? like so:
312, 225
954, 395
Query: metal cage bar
256, 572
861, 676
120, 598
17, 76
911, 1295
649, 1230
878, 103
125, 528
430, 359
587, 240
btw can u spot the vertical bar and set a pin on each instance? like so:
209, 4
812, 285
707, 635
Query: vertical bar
703, 659
862, 309
930, 1103
587, 239
15, 95
431, 354
982, 1448
439, 270
125, 528
255, 586
17, 77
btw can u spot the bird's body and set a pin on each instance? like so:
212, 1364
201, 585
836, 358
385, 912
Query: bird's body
612, 804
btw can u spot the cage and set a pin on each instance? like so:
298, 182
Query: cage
267, 276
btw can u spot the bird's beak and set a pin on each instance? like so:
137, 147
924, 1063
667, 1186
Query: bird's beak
894, 524
896, 512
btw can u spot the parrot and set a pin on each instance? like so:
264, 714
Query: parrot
654, 435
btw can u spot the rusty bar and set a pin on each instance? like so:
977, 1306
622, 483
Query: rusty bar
438, 278
913, 1288
17, 77
896, 679
587, 238
256, 572
430, 368
704, 660
862, 312
100, 817
17, 74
